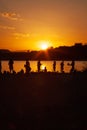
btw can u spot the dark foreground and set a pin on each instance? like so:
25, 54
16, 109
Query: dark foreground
43, 101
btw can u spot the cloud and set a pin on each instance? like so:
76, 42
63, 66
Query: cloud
11, 16
21, 35
7, 27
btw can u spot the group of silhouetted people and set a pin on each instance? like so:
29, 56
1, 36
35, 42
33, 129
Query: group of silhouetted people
62, 66
28, 68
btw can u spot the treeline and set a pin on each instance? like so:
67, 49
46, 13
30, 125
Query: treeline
76, 52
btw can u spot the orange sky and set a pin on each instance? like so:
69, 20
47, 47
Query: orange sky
24, 23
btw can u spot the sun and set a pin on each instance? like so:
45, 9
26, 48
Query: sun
44, 45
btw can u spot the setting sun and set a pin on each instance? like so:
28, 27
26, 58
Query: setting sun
44, 45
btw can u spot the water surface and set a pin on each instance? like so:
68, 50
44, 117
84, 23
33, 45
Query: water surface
18, 65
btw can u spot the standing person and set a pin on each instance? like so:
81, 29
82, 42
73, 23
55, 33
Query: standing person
45, 69
27, 67
54, 65
72, 66
10, 63
62, 66
38, 65
0, 67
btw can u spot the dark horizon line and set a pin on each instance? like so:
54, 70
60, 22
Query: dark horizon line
51, 47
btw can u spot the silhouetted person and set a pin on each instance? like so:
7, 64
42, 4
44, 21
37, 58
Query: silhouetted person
27, 67
10, 63
0, 67
45, 69
54, 66
38, 65
62, 66
72, 66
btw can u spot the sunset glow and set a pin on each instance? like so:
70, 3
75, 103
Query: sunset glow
24, 22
